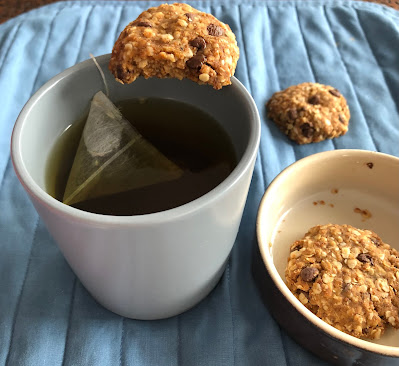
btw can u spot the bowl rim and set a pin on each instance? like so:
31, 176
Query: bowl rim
385, 350
189, 208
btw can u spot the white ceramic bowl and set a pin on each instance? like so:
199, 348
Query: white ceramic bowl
344, 180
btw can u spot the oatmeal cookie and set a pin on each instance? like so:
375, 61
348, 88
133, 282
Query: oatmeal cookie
309, 112
348, 277
176, 40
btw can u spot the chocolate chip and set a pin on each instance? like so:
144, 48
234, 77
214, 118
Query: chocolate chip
190, 16
215, 30
309, 273
376, 241
335, 92
341, 118
296, 247
119, 72
307, 130
292, 114
370, 165
365, 258
314, 99
198, 42
196, 61
143, 24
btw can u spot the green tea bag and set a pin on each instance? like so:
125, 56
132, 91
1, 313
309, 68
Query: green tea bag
113, 157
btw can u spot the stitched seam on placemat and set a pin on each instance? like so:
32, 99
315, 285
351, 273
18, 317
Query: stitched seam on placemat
21, 292
263, 174
69, 318
231, 306
375, 57
118, 24
267, 122
274, 58
12, 38
212, 9
4, 174
178, 352
45, 49
1, 67
83, 33
284, 346
347, 72
308, 56
277, 75
122, 342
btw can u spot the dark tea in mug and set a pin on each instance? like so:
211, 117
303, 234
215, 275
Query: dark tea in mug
186, 135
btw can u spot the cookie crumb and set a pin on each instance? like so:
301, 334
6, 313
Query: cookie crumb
366, 214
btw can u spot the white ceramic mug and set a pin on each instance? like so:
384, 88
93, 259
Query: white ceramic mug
150, 266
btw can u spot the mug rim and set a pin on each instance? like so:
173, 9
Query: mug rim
72, 213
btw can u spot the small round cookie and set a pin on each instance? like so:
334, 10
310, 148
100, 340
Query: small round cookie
348, 277
309, 112
178, 41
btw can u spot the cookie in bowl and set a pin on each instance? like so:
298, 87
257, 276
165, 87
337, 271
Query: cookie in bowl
348, 277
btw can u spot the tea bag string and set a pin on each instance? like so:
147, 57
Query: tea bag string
108, 162
101, 73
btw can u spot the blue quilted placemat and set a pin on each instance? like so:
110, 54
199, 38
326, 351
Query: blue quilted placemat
46, 316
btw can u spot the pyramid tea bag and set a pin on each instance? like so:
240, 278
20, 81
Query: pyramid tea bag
113, 157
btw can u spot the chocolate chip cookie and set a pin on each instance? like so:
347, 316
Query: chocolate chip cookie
178, 41
348, 277
309, 112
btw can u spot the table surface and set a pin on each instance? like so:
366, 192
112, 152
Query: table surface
10, 9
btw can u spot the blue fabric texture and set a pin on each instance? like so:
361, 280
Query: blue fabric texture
46, 315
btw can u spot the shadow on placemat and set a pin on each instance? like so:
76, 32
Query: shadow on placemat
10, 9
